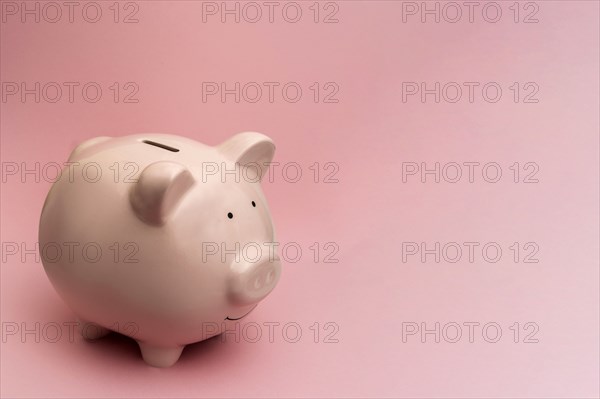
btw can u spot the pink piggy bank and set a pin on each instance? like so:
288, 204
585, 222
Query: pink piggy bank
161, 238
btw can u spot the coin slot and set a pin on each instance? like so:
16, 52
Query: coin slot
163, 146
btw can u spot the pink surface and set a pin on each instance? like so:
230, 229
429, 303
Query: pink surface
371, 296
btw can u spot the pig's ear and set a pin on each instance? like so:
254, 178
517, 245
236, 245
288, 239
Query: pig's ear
251, 149
159, 188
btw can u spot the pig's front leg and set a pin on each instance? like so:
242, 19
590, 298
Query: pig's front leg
157, 356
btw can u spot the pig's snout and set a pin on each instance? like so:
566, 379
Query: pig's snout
251, 282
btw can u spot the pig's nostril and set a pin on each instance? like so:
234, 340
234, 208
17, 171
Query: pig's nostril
252, 283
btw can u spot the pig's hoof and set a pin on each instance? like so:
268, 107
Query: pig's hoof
157, 356
91, 330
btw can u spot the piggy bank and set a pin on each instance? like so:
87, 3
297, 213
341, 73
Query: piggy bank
161, 238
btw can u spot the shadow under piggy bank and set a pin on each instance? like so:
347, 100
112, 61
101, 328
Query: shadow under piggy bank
118, 347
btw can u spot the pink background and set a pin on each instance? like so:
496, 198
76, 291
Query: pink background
369, 133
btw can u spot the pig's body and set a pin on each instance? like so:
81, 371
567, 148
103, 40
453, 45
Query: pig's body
155, 279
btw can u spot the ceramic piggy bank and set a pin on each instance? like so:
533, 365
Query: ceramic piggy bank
161, 238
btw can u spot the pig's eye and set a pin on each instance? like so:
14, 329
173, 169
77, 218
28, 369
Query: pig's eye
230, 215
254, 204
